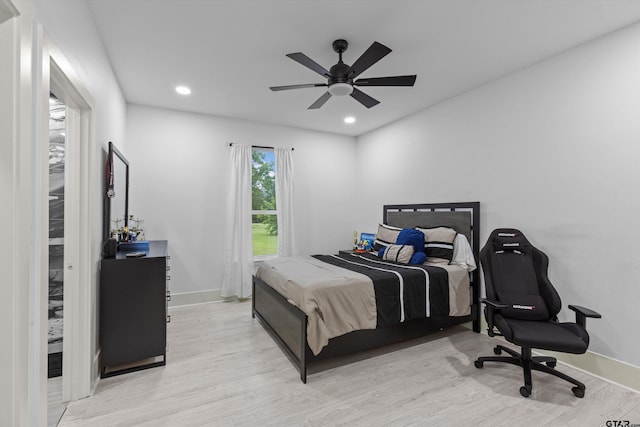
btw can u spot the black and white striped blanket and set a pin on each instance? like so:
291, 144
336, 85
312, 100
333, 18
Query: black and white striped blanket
402, 292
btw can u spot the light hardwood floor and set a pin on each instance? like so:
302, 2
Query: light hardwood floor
223, 369
56, 406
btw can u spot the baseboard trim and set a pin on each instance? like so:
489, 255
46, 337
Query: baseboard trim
191, 298
601, 366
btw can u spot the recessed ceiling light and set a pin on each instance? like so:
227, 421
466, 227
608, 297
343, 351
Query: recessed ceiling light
183, 90
349, 120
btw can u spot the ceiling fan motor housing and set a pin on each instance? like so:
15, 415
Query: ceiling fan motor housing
339, 84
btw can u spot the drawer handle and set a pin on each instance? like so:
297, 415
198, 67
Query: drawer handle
168, 318
168, 295
168, 267
168, 277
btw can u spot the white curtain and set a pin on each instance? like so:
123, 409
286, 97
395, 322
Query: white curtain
284, 201
238, 264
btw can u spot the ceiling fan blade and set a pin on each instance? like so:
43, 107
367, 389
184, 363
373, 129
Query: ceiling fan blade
303, 59
276, 88
320, 101
363, 98
387, 81
373, 54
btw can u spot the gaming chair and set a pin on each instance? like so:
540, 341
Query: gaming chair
522, 304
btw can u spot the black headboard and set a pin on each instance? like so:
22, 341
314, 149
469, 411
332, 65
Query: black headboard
464, 217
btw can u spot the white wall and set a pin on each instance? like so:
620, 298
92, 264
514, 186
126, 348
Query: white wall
552, 150
70, 25
179, 181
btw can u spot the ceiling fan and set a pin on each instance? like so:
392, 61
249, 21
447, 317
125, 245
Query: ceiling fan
340, 78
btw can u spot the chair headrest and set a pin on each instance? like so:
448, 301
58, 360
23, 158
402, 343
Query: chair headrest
509, 240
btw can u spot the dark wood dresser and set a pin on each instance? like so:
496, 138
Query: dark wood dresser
133, 310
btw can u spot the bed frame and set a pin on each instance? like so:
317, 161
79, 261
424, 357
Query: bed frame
287, 324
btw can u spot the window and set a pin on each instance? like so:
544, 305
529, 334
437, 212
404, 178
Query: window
264, 220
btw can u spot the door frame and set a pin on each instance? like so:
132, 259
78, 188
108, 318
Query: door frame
30, 62
79, 287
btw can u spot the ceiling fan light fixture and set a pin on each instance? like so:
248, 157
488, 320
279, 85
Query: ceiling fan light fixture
340, 89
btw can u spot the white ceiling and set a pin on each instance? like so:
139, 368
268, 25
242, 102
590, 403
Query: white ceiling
230, 51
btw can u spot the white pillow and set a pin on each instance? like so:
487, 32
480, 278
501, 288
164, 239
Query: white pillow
438, 243
463, 254
386, 235
398, 253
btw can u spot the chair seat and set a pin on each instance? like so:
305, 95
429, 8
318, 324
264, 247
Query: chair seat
554, 336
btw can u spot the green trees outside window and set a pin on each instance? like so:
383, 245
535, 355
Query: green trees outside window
264, 219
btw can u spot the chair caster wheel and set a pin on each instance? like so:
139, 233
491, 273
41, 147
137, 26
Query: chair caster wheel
552, 365
478, 364
525, 391
579, 392
497, 351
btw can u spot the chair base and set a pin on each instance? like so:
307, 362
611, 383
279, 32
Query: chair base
528, 363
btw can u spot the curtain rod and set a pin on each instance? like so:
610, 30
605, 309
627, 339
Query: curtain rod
260, 146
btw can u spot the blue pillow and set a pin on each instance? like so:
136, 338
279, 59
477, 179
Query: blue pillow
418, 258
413, 237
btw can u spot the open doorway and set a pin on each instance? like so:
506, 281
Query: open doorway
57, 156
57, 133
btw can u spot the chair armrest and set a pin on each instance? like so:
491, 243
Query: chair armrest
582, 313
493, 304
490, 306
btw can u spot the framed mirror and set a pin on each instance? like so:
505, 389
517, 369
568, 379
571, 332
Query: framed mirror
116, 197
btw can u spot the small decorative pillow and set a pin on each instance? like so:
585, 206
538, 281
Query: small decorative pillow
418, 258
438, 243
397, 253
413, 237
386, 235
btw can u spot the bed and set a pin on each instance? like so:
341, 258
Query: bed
303, 337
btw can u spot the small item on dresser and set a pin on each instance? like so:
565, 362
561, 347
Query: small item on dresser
136, 254
138, 245
110, 248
